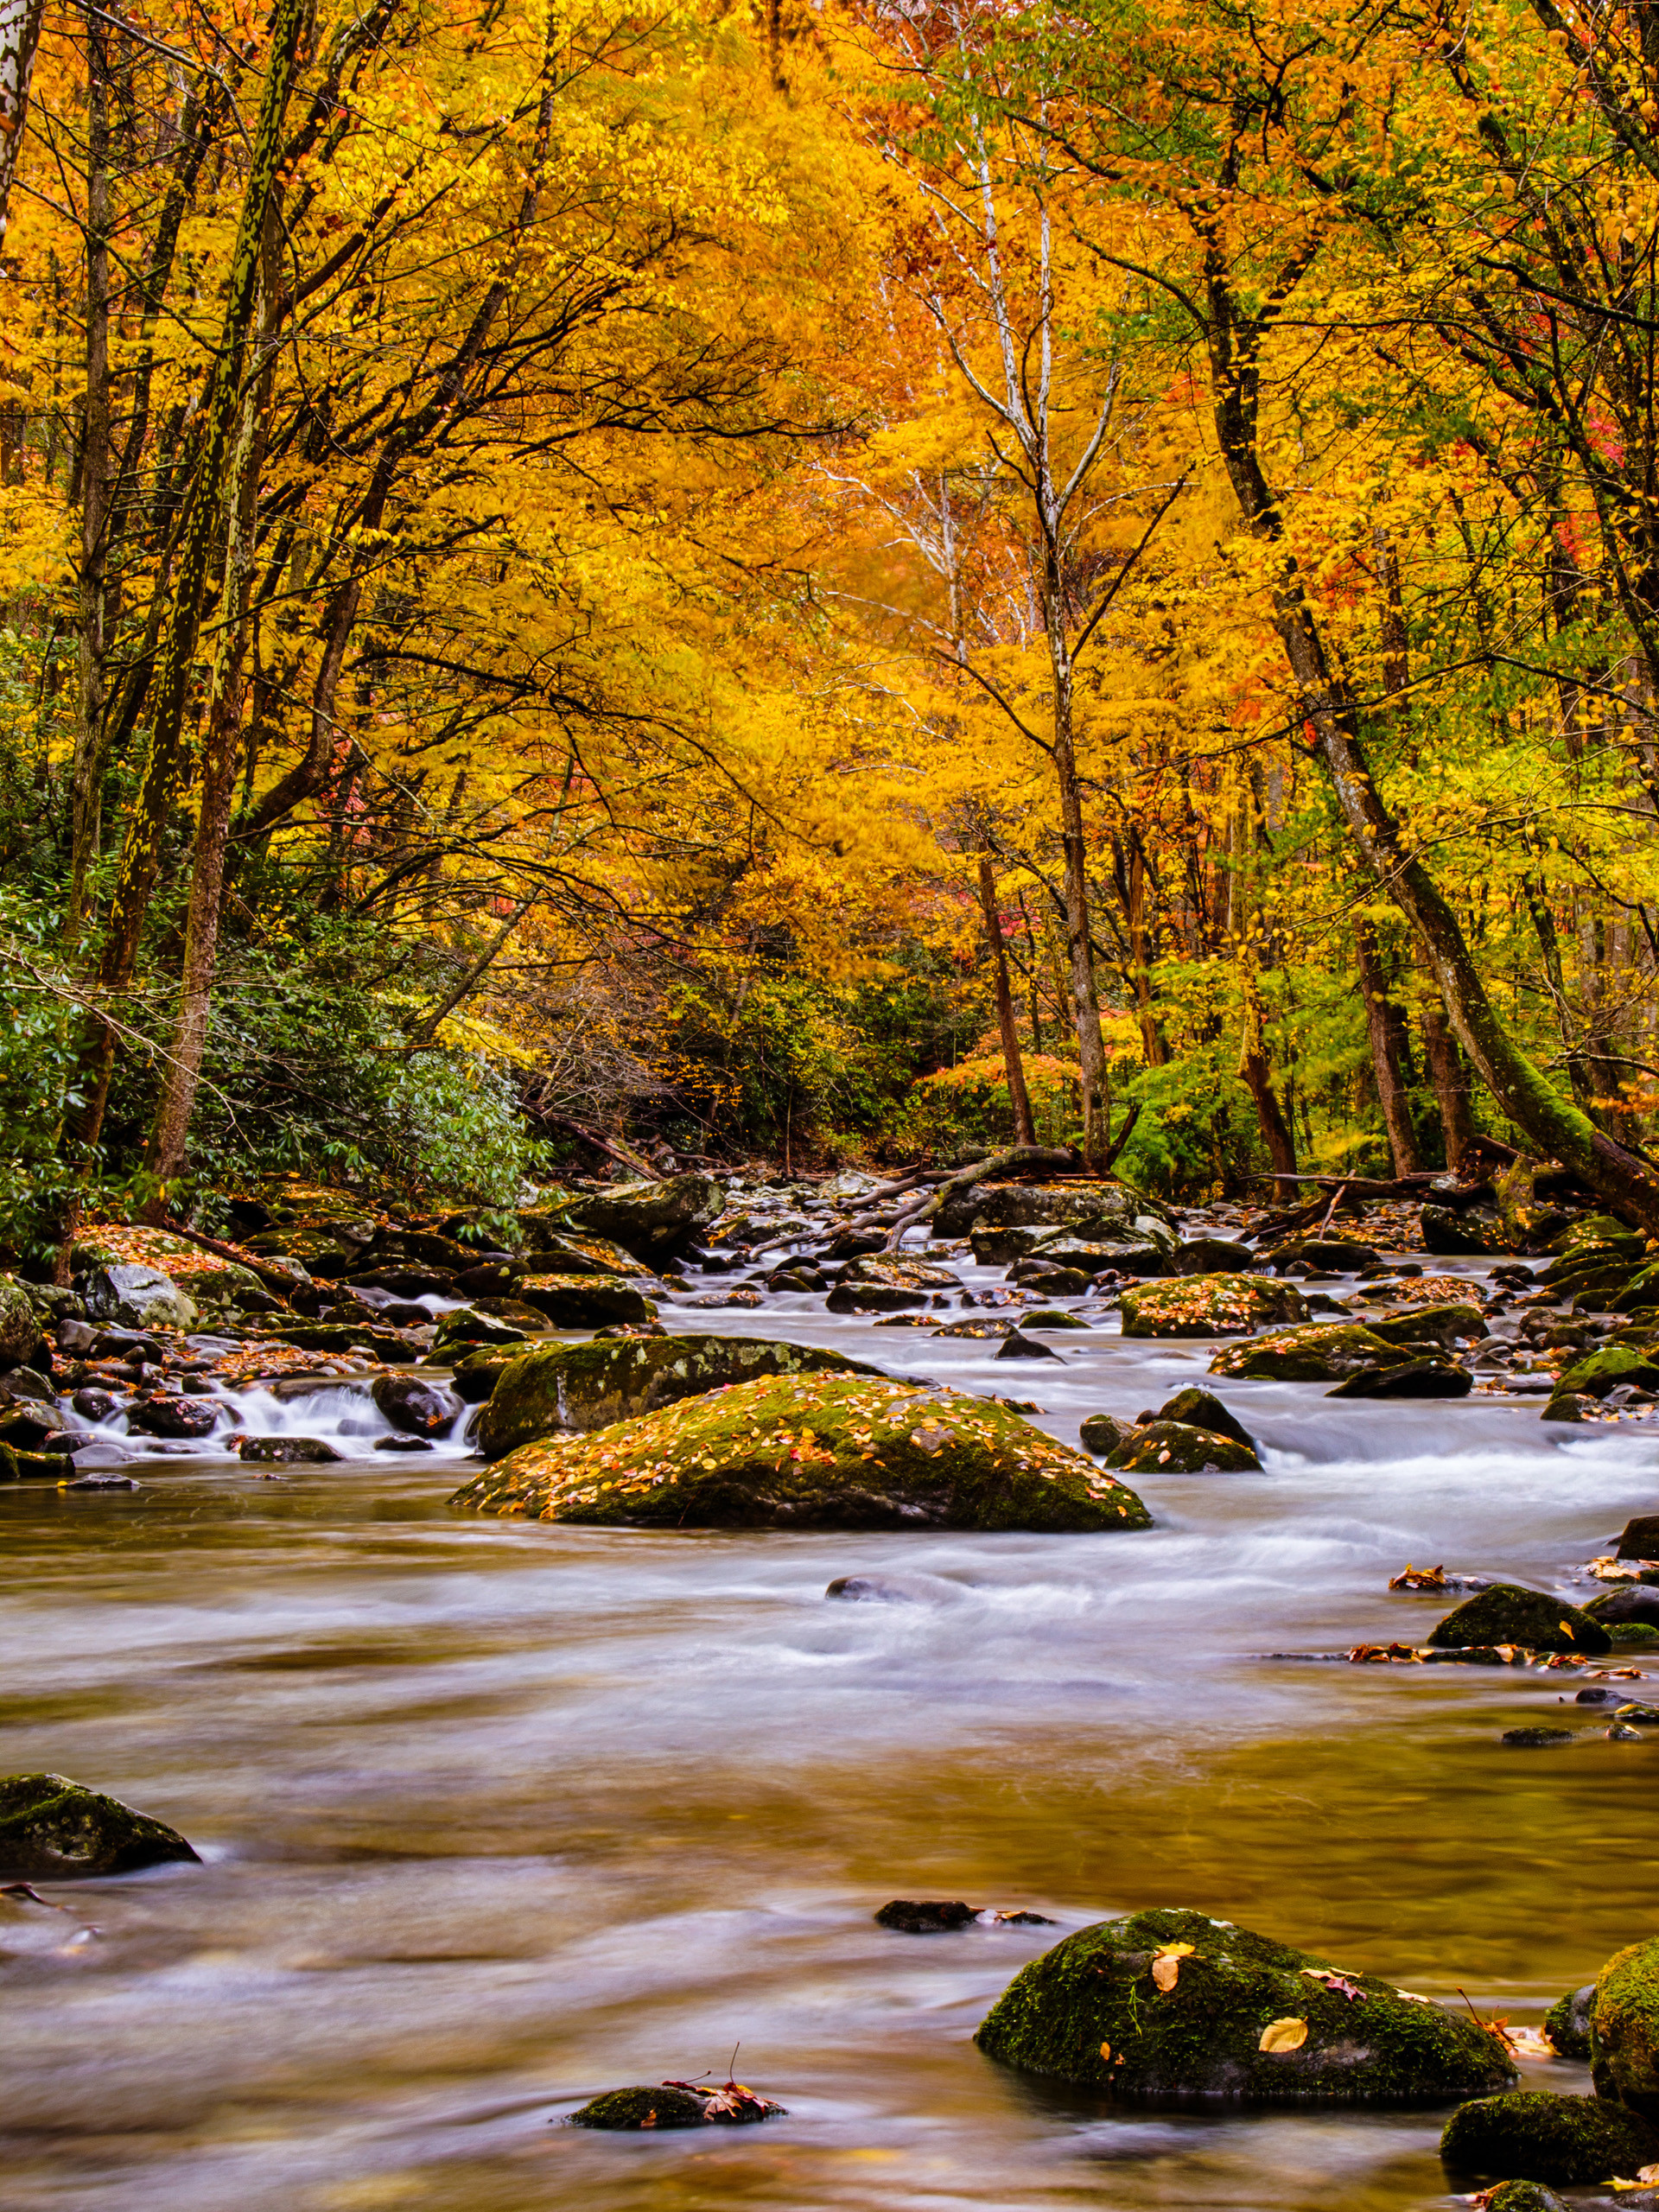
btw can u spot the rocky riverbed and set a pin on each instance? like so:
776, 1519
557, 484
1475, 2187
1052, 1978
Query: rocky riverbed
495, 1814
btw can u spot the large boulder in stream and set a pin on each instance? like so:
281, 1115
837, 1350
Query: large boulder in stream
1209, 1306
1176, 1447
825, 1449
584, 1301
1529, 2135
1624, 2029
1170, 2004
20, 1327
589, 1386
651, 1220
1508, 1614
1062, 1201
55, 1830
1323, 1351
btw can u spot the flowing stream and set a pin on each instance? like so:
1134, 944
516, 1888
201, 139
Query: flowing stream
495, 1816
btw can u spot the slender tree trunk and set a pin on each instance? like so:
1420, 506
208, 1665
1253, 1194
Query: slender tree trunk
1258, 1079
1384, 1027
20, 34
1449, 1077
1008, 1028
1153, 1044
1080, 958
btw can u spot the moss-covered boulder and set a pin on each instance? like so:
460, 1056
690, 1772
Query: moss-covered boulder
1062, 1201
1522, 2196
1444, 1325
552, 1247
477, 1374
589, 1386
584, 1301
1625, 2029
1635, 1602
1175, 1447
651, 1220
20, 1327
55, 1830
1508, 1614
673, 2104
1323, 1351
821, 1450
1102, 1433
1203, 1409
1171, 2003
1567, 2022
879, 1284
1211, 1256
1531, 2135
1602, 1371
1209, 1306
1470, 1234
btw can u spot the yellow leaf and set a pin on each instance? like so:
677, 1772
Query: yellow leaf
1166, 1965
1283, 2034
1105, 2050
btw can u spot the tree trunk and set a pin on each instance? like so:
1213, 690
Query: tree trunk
1007, 1029
20, 34
1080, 959
1385, 1028
1154, 1046
1258, 1079
1450, 1081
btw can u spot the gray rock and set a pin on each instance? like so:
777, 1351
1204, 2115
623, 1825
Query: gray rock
417, 1408
55, 1830
287, 1450
136, 1296
164, 1415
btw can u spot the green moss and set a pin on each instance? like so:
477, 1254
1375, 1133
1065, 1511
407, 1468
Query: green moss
1174, 1448
589, 1386
1603, 1370
813, 1451
1209, 1306
584, 1301
1442, 1324
1524, 2197
55, 1830
624, 2109
1624, 2028
1567, 2022
1090, 2011
1508, 1614
1102, 1433
1529, 2135
1324, 1353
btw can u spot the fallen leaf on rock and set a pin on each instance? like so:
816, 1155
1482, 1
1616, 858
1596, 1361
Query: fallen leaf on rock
1419, 1577
1283, 2034
1646, 2178
1530, 2042
1106, 2050
1167, 1965
1382, 1655
1339, 1982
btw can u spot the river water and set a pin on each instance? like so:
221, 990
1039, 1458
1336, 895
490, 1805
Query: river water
496, 1816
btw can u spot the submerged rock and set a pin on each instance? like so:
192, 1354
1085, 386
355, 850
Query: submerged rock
1531, 2135
1171, 2003
817, 1451
1567, 2022
55, 1830
1507, 1613
1209, 1306
672, 2104
589, 1386
1174, 1448
1624, 2031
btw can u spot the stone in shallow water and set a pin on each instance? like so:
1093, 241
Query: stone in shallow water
1171, 2003
288, 1450
1624, 2031
931, 1917
1507, 1613
52, 1829
1209, 1306
1530, 2135
1567, 2022
1203, 1409
625, 2110
1536, 1739
1016, 1346
1412, 1378
1173, 1447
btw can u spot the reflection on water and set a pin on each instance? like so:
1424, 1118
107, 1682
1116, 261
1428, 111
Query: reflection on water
497, 1816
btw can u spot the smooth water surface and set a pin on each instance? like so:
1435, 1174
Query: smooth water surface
497, 1816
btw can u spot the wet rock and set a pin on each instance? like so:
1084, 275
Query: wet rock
1507, 1613
1053, 1317
100, 1481
287, 1450
1572, 1406
347, 1336
1050, 1280
403, 1282
650, 1220
1530, 2135
1083, 1249
1418, 1325
1640, 1538
176, 1417
1092, 2010
822, 1450
1639, 1715
55, 1830
1536, 1739
585, 1302
1339, 1255
1522, 2196
465, 1326
414, 1407
402, 1443
1211, 1256
490, 1278
1602, 1371
1203, 1409
589, 1386
566, 1251
1066, 1202
1171, 1447
676, 2104
476, 1376
141, 1297
1467, 1234
985, 1326
930, 1917
870, 1590
26, 1428
1412, 1378
76, 1338
20, 1327
1016, 1346
1567, 2022
1637, 1601
1323, 1352
1209, 1306
1624, 2033
1102, 1433
26, 1383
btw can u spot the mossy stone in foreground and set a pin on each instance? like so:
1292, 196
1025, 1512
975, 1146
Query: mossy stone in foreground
1093, 2010
1624, 2028
1177, 1447
55, 1830
1508, 1614
1524, 2196
624, 2109
1529, 2135
829, 1450
591, 1385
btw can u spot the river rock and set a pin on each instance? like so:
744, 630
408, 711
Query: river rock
1640, 1540
821, 1450
1444, 1325
1625, 2031
589, 1386
1636, 1602
93, 1404
137, 1296
625, 2110
1016, 1346
1051, 1317
928, 1916
1065, 1202
1093, 2011
466, 1326
1102, 1433
347, 1336
1173, 1448
1203, 1409
650, 1220
1567, 2022
476, 1376
1531, 2135
287, 1450
1335, 1256
415, 1409
1522, 2196
165, 1415
1211, 1256
1507, 1613
1603, 1371
55, 1830
585, 1302
1412, 1378
1469, 1234
1048, 1279
1323, 1351
557, 1248
20, 1327
1209, 1306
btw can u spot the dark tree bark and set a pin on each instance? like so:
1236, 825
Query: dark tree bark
1008, 1028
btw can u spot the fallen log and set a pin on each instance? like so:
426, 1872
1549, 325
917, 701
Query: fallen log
1019, 1158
